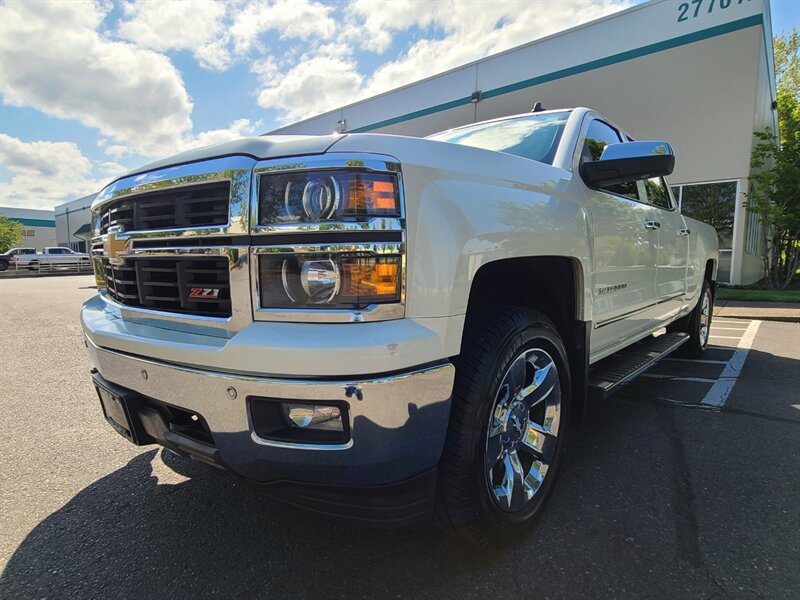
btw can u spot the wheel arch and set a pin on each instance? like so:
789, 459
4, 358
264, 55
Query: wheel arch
553, 285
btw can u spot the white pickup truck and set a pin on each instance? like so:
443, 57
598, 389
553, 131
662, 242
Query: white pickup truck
388, 328
53, 257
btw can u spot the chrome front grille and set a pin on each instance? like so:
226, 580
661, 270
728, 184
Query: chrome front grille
203, 205
191, 285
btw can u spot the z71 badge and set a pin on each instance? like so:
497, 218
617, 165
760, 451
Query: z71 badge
204, 293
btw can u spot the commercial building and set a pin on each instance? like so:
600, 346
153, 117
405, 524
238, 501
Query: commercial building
38, 226
72, 223
699, 74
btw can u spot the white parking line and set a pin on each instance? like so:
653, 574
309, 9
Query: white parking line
715, 328
719, 392
725, 337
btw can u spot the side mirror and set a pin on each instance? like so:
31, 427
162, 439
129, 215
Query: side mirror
631, 161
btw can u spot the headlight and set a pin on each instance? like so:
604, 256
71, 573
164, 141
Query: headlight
334, 195
328, 280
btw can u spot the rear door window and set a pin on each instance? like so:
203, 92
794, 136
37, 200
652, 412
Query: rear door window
658, 193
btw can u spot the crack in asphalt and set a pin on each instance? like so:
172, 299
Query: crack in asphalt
683, 498
671, 403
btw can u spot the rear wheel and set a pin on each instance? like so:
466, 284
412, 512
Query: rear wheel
3, 265
697, 324
33, 265
507, 428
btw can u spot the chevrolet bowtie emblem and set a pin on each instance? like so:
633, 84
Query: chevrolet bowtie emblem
113, 246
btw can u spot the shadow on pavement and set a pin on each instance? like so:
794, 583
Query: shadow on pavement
633, 515
128, 535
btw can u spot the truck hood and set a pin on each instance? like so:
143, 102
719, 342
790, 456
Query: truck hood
271, 146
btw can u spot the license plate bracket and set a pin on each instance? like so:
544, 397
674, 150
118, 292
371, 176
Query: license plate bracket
117, 411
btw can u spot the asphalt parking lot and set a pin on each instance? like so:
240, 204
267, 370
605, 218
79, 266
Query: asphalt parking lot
685, 484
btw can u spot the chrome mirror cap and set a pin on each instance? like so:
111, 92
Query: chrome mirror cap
629, 161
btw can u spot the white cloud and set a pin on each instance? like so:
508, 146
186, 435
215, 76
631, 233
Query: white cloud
219, 33
318, 82
489, 27
239, 128
53, 59
325, 79
44, 174
176, 25
294, 19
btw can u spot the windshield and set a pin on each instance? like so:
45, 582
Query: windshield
534, 136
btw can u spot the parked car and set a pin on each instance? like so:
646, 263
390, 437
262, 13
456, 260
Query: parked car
54, 257
388, 328
8, 259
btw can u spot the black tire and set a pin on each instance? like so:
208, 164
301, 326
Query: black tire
3, 265
697, 324
466, 504
33, 265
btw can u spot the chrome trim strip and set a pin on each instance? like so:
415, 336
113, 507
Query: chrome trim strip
296, 446
373, 312
236, 169
239, 281
631, 313
183, 251
376, 163
368, 247
373, 224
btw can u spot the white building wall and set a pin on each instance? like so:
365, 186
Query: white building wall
38, 226
71, 217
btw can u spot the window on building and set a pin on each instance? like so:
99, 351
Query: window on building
29, 233
712, 203
753, 235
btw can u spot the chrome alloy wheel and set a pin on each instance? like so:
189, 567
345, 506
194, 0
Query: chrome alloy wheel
523, 429
705, 318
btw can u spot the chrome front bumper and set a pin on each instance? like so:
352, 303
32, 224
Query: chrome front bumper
398, 422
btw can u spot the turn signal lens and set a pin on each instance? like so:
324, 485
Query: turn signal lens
368, 278
367, 196
319, 196
328, 280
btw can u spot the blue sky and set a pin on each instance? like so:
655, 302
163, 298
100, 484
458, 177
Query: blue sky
89, 89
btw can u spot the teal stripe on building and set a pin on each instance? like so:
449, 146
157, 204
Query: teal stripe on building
697, 36
34, 222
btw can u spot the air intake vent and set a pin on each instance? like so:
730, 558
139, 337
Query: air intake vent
196, 206
197, 286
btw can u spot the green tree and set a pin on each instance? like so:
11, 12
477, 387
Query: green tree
775, 177
10, 233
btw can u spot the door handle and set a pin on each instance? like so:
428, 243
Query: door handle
652, 225
684, 232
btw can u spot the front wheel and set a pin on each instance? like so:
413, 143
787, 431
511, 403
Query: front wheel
508, 424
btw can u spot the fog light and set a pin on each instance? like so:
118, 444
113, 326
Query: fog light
298, 422
309, 416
